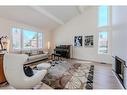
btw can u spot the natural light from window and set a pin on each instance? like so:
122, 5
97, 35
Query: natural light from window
26, 39
29, 39
16, 35
103, 16
103, 24
103, 43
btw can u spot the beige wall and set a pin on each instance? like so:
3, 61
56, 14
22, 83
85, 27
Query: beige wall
6, 26
85, 24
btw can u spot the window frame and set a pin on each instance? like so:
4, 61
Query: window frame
108, 18
22, 39
107, 43
105, 29
13, 39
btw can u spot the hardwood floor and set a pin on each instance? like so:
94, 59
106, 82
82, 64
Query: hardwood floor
104, 78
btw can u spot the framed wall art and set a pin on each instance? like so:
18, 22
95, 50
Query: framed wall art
88, 41
78, 41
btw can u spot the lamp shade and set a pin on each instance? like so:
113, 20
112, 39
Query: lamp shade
48, 45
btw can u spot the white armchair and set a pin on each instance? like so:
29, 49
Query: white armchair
14, 72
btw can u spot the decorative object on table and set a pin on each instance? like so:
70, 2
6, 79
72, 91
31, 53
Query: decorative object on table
88, 41
4, 44
78, 41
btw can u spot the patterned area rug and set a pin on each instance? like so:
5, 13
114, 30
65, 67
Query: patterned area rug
66, 75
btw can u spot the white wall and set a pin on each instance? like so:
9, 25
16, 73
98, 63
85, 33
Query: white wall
6, 26
85, 24
119, 24
119, 33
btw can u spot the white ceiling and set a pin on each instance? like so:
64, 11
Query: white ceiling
44, 17
65, 13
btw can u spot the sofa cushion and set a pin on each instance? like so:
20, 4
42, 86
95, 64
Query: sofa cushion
25, 51
36, 57
29, 54
34, 52
40, 52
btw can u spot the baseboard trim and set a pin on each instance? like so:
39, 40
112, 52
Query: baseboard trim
117, 79
91, 61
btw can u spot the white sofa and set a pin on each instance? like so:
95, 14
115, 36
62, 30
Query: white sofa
37, 57
33, 55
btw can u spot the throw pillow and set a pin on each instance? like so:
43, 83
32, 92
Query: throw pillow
29, 54
28, 71
34, 52
41, 52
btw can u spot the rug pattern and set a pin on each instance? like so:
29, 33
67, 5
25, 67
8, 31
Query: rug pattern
67, 76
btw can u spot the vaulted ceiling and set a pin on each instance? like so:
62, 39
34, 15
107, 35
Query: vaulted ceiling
44, 17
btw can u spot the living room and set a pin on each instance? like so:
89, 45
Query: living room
31, 35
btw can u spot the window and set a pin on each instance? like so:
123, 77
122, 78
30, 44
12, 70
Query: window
103, 43
103, 16
40, 40
16, 38
29, 39
103, 27
26, 39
